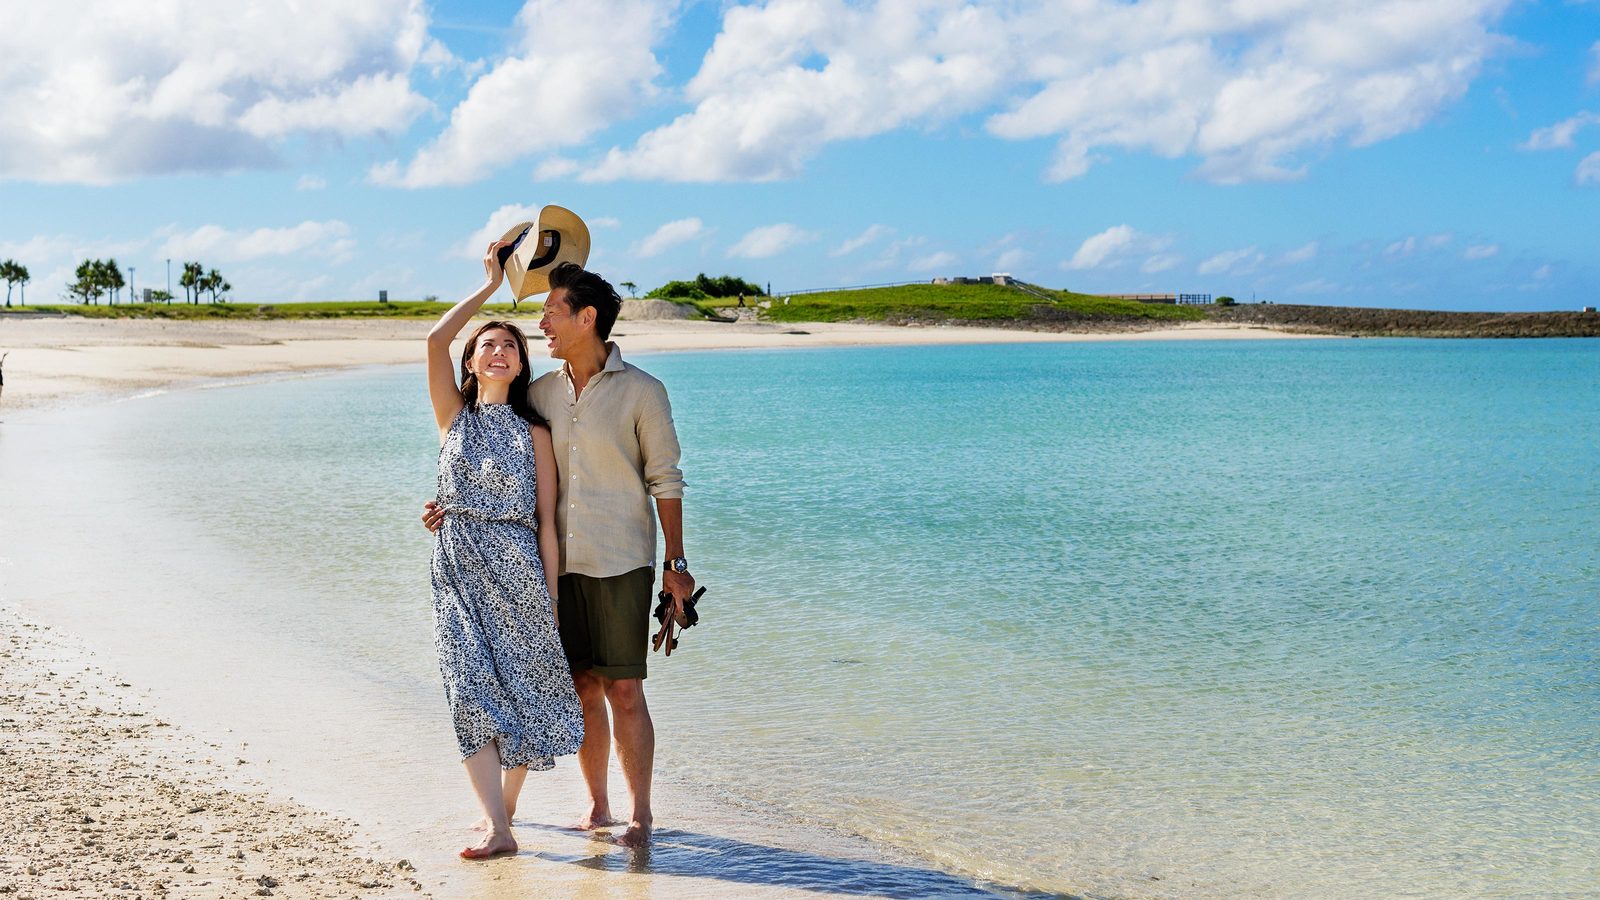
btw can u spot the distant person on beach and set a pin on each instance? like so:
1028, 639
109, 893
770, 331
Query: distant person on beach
3, 373
613, 432
505, 674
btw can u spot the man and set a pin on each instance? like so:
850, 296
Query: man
616, 449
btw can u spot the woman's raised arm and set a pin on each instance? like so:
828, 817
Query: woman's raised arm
442, 387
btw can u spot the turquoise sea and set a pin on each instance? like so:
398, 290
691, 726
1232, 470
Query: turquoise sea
1164, 619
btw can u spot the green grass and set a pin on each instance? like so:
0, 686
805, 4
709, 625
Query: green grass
966, 302
336, 309
913, 302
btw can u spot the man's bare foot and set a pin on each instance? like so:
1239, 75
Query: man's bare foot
637, 835
597, 818
493, 844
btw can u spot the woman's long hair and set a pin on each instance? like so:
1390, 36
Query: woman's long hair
519, 385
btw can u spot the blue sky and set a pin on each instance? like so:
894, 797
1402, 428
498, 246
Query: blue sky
1415, 153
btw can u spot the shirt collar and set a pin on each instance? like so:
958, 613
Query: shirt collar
613, 362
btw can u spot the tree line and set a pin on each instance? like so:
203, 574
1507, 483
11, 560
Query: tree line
704, 288
98, 278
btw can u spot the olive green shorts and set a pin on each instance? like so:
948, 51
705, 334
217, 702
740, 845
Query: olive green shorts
605, 622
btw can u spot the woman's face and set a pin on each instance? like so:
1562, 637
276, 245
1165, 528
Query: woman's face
496, 358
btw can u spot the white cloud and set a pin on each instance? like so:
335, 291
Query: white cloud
1480, 251
1559, 136
1542, 273
933, 261
1011, 259
1247, 87
581, 65
1589, 169
1242, 260
1402, 248
381, 102
1305, 253
213, 242
669, 235
763, 105
51, 260
873, 233
604, 222
498, 223
1108, 246
895, 251
1298, 75
1161, 263
310, 183
769, 240
101, 90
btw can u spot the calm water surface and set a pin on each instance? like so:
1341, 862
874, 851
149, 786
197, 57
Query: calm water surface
1164, 619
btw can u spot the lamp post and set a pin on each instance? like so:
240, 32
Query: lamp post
133, 292
169, 279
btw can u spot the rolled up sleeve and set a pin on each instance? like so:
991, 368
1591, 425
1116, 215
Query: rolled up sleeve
658, 445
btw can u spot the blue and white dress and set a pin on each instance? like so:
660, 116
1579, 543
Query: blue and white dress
505, 674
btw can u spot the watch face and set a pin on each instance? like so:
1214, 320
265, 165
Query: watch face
680, 565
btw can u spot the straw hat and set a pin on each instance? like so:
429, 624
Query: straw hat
560, 236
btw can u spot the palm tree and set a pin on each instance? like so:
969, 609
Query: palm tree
215, 283
8, 274
192, 273
117, 281
20, 274
633, 289
110, 277
84, 286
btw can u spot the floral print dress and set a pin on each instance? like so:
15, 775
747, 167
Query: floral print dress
505, 675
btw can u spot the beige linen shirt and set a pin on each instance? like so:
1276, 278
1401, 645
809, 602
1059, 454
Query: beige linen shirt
616, 448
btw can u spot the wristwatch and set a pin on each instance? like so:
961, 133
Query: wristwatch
677, 564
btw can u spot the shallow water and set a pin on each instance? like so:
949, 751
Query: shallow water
1165, 619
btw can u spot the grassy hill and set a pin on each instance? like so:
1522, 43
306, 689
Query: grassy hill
981, 304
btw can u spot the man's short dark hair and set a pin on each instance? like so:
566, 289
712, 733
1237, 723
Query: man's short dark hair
585, 288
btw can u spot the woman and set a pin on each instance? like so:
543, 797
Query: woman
504, 671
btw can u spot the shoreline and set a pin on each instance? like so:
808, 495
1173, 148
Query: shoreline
54, 361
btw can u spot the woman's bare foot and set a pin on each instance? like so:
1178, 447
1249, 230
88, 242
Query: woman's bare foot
484, 824
637, 835
597, 818
493, 844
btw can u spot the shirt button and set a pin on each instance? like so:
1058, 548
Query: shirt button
572, 506
569, 534
574, 418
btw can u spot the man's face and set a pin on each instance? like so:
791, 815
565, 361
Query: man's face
563, 330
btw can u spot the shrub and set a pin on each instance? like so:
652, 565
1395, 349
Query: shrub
704, 288
1225, 300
